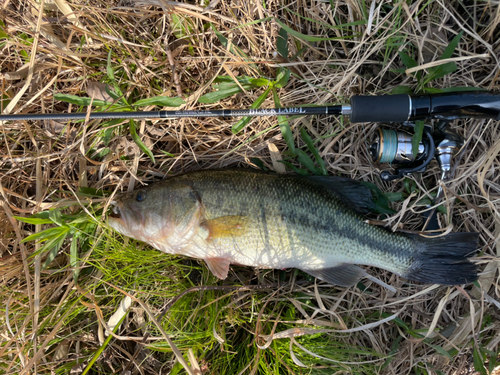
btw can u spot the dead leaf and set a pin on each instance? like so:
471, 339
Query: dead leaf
68, 12
276, 159
22, 72
119, 313
97, 90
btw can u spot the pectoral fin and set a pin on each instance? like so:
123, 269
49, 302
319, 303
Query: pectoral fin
226, 226
219, 266
342, 274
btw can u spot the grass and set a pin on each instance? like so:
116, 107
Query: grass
58, 296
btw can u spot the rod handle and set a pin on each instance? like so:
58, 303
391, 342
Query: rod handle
384, 108
449, 105
460, 104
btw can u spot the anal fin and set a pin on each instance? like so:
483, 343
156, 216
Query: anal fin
342, 274
219, 266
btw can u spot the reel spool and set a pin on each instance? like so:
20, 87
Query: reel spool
394, 146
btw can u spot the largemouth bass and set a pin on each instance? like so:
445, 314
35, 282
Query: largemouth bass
266, 220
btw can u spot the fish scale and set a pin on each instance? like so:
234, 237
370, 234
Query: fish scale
266, 220
320, 232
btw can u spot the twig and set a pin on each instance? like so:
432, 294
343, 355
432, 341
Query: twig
170, 58
175, 77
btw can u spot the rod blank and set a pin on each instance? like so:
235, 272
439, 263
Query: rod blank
385, 108
330, 110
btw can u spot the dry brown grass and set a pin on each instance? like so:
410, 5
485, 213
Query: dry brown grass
64, 49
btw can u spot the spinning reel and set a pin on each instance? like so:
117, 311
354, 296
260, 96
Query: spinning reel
395, 147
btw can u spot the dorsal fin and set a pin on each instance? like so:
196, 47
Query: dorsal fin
362, 197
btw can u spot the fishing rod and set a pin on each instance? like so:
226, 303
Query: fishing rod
384, 108
388, 146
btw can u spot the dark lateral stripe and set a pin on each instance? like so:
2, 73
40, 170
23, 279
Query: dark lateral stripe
361, 233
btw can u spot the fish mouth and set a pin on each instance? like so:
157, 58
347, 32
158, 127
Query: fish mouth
115, 210
116, 219
125, 214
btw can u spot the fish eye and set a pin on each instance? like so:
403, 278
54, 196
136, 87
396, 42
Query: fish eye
140, 196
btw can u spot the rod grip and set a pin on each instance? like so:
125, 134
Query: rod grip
384, 108
459, 104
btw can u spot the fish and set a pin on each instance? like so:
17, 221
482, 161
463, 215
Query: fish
265, 220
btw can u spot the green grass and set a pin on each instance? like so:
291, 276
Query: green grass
239, 315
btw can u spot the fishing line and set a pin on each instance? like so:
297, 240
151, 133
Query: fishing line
389, 145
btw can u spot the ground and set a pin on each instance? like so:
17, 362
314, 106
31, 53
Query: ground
58, 295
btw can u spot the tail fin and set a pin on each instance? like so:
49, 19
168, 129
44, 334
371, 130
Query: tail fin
444, 260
